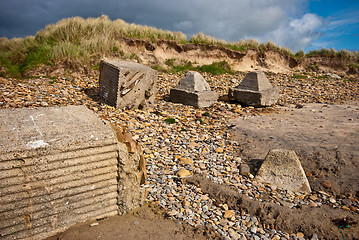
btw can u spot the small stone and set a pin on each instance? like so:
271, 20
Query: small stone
183, 173
253, 230
204, 197
229, 214
332, 200
326, 184
173, 212
219, 150
313, 204
233, 234
225, 207
347, 202
244, 187
314, 237
354, 209
345, 208
202, 166
300, 235
185, 161
136, 222
44, 104
313, 197
94, 224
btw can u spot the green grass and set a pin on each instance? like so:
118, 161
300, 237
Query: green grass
299, 76
321, 77
170, 120
353, 65
183, 68
215, 68
199, 120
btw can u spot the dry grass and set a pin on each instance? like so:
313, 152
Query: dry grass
76, 39
86, 41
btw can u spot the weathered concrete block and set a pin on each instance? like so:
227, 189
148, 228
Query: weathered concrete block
283, 169
255, 90
127, 84
193, 90
60, 166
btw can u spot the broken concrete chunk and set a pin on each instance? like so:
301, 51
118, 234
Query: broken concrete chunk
193, 90
255, 90
127, 84
282, 168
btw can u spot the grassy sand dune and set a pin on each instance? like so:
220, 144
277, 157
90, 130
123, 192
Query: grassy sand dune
85, 41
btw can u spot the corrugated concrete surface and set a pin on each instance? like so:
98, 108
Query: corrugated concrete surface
126, 84
58, 167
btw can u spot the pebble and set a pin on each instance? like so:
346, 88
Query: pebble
94, 224
347, 202
244, 169
183, 173
300, 235
253, 230
229, 214
326, 184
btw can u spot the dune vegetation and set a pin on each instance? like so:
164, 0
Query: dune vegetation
77, 41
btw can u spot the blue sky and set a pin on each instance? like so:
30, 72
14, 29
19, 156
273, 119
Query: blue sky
341, 30
296, 24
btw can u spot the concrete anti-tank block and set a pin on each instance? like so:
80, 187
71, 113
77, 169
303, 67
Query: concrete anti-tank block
283, 169
60, 166
255, 90
193, 90
127, 84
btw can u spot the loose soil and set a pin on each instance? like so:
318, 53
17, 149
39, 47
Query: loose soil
324, 221
325, 137
145, 223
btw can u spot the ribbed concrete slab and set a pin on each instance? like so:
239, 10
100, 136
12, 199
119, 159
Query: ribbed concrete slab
126, 84
58, 167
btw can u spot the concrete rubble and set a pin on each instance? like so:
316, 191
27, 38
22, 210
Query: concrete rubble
127, 84
282, 168
255, 90
63, 165
193, 90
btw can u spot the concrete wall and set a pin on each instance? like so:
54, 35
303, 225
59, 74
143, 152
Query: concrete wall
58, 167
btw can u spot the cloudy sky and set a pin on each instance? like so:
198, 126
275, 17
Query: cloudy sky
296, 24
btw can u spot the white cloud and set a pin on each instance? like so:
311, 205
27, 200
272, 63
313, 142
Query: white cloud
298, 34
307, 24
